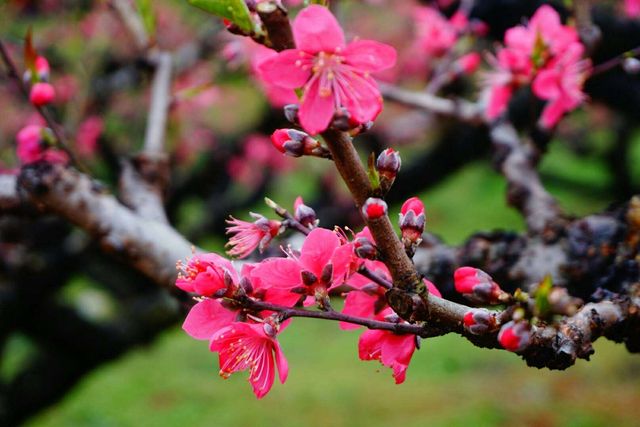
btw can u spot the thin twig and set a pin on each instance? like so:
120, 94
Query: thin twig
372, 275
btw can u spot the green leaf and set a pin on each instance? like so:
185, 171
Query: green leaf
374, 177
148, 17
234, 10
30, 55
542, 296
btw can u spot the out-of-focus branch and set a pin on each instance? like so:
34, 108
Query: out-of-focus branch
132, 21
589, 33
460, 109
152, 247
9, 198
517, 160
144, 180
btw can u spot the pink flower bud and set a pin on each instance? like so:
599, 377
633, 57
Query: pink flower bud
479, 321
41, 94
469, 63
374, 208
304, 214
413, 204
42, 68
295, 143
30, 144
412, 220
388, 163
515, 336
476, 285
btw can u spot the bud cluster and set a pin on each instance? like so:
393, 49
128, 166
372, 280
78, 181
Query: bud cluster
41, 92
412, 221
480, 321
304, 214
388, 165
296, 143
478, 286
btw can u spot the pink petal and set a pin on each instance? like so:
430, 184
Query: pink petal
316, 110
499, 97
546, 84
285, 70
360, 95
552, 113
369, 55
317, 250
262, 376
341, 261
315, 29
281, 363
396, 353
205, 318
357, 304
278, 273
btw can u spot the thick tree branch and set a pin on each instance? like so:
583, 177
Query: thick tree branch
517, 161
151, 247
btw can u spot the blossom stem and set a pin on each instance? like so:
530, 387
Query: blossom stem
287, 312
372, 275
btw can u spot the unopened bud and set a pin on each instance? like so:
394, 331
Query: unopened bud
291, 113
631, 65
304, 214
479, 321
469, 63
41, 94
388, 164
42, 68
477, 285
412, 221
296, 143
515, 336
364, 248
374, 208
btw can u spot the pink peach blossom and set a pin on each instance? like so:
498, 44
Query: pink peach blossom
244, 346
332, 74
205, 274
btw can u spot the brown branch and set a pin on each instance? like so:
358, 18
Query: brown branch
517, 161
460, 109
151, 247
276, 22
375, 277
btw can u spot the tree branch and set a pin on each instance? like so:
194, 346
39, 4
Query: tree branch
151, 247
517, 160
459, 108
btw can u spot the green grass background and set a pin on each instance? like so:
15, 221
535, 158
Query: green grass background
174, 382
